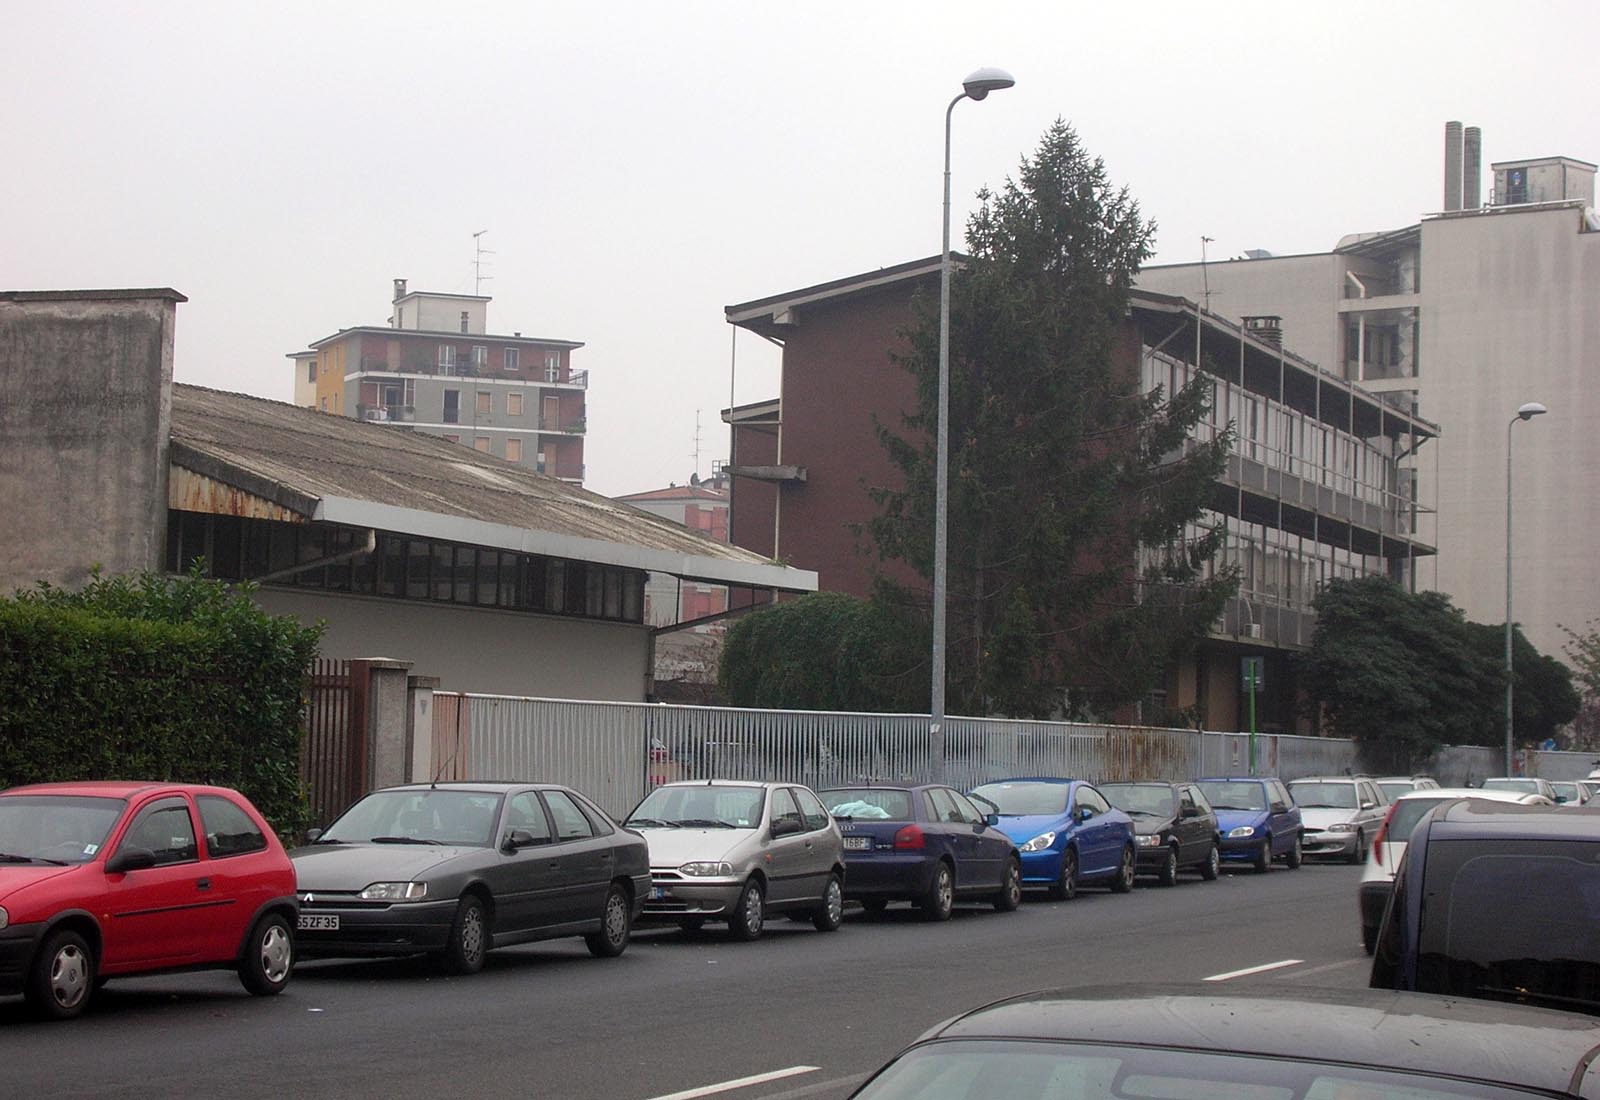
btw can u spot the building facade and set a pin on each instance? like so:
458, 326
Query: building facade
1463, 317
1318, 485
436, 369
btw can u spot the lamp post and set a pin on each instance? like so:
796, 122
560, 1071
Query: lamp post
1526, 412
976, 87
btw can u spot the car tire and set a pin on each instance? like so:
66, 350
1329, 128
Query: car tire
1296, 855
1009, 899
940, 900
1169, 869
1263, 861
616, 925
268, 956
469, 937
749, 913
1123, 883
1369, 938
61, 980
829, 914
1212, 867
1065, 887
1359, 855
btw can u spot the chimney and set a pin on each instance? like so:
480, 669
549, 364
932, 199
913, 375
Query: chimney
1452, 166
399, 289
1471, 168
1267, 328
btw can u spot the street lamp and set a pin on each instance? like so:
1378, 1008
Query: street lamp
1526, 412
976, 87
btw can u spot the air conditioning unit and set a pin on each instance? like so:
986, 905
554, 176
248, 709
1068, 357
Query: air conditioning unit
376, 414
1252, 630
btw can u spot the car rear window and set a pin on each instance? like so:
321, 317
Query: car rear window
867, 804
1407, 812
1525, 786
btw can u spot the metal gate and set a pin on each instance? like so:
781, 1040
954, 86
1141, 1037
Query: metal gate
333, 754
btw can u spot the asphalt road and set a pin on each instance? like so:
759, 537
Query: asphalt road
676, 1013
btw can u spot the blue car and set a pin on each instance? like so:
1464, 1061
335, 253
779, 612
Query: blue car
926, 844
1068, 833
1257, 819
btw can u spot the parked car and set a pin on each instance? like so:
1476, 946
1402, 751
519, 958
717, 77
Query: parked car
1393, 786
1257, 818
1591, 788
925, 844
1067, 832
1175, 827
1497, 902
106, 880
1527, 784
458, 869
736, 852
1199, 1042
1340, 815
1569, 792
1390, 844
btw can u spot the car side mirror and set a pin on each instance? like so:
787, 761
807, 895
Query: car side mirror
1280, 807
1189, 811
1560, 798
1369, 805
1083, 813
517, 839
313, 835
991, 820
130, 859
785, 826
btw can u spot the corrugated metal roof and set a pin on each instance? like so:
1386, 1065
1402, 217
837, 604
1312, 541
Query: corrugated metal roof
339, 469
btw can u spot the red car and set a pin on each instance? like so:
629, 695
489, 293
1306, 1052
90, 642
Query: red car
104, 880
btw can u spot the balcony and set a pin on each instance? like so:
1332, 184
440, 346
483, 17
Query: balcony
369, 363
575, 426
577, 379
387, 414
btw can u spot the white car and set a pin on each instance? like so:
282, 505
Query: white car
1393, 786
1390, 844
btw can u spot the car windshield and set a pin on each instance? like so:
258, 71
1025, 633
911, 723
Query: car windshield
55, 827
427, 816
1526, 786
1324, 796
972, 1069
868, 804
1025, 799
1392, 790
1226, 794
699, 806
1153, 799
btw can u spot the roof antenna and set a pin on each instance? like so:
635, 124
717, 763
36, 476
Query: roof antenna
478, 277
461, 701
1205, 275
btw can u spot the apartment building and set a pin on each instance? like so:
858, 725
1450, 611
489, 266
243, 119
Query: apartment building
1318, 484
436, 369
1462, 318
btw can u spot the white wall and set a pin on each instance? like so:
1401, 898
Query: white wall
479, 649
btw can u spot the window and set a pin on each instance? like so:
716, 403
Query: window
511, 356
485, 402
311, 372
552, 366
480, 355
971, 813
1089, 799
815, 816
524, 812
164, 828
784, 808
452, 406
513, 450
570, 822
447, 358
465, 317
229, 830
324, 404
513, 404
944, 810
481, 444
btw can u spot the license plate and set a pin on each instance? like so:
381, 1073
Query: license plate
858, 842
316, 922
659, 892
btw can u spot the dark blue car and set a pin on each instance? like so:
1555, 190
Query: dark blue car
924, 844
1068, 833
1257, 819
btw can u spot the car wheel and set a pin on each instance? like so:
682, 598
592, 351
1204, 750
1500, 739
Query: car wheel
62, 978
874, 907
1212, 867
1123, 883
1065, 887
1296, 856
1169, 869
616, 925
830, 911
745, 922
1369, 937
1360, 853
268, 956
1263, 860
1010, 895
940, 899
469, 937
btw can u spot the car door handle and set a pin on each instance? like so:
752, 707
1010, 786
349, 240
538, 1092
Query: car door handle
203, 884
605, 855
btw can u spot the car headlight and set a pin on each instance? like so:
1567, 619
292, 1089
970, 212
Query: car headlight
395, 891
1039, 843
5, 918
1342, 827
1243, 830
1148, 840
706, 870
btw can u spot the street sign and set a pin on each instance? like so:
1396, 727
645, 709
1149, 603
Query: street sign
1252, 672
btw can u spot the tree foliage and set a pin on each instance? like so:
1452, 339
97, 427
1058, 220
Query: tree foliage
826, 651
1543, 699
1583, 652
1060, 469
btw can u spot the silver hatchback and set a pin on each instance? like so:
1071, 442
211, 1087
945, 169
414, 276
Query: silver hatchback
722, 850
1341, 813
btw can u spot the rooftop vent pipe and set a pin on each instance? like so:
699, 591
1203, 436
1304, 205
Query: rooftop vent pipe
1471, 168
1452, 166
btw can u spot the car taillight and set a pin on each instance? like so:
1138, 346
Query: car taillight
910, 837
1383, 831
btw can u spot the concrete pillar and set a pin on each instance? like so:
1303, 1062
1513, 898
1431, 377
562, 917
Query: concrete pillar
419, 728
388, 721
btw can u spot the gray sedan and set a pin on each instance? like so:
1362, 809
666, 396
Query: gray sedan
456, 869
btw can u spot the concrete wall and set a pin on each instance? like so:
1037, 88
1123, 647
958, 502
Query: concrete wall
85, 418
480, 649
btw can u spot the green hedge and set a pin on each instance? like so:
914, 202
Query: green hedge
152, 677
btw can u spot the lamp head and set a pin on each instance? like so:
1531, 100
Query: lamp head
984, 81
1531, 410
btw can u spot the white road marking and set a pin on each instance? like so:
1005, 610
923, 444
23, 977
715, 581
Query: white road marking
1341, 964
1262, 969
737, 1083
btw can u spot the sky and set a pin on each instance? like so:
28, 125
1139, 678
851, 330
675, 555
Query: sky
640, 166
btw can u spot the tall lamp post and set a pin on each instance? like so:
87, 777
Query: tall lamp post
1526, 412
975, 87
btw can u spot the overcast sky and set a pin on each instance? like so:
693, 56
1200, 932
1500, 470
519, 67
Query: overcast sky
640, 166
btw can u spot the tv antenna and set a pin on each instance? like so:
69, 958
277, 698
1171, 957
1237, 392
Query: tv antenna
696, 454
479, 252
1205, 275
